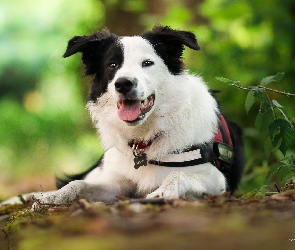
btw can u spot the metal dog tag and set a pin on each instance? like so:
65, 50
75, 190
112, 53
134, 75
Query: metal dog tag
140, 160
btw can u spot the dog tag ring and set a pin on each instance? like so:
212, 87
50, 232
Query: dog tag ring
140, 158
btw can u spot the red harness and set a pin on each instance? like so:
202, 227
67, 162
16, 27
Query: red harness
223, 136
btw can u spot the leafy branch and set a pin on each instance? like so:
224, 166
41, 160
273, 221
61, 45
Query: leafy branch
270, 119
276, 78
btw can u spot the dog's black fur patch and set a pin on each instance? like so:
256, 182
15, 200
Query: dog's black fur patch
169, 45
60, 182
98, 50
235, 175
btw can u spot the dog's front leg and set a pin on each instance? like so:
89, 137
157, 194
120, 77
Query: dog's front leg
79, 189
204, 180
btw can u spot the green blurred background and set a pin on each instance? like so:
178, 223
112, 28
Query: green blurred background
44, 126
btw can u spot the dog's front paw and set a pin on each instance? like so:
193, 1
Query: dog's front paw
167, 193
64, 196
193, 185
43, 202
173, 187
54, 199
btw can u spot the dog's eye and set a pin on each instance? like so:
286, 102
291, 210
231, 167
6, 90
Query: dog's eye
147, 63
113, 65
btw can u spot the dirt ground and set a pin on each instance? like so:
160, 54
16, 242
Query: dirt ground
211, 223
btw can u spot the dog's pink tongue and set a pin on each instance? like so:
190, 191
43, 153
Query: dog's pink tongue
128, 110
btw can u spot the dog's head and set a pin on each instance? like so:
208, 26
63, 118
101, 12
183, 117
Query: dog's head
132, 69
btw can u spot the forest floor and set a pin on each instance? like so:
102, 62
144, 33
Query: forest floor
220, 222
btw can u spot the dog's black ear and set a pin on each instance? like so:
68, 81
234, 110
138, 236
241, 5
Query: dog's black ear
83, 43
92, 48
169, 45
169, 36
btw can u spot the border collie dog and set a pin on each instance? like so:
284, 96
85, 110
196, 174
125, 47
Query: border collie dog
161, 128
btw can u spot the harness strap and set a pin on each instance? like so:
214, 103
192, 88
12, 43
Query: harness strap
203, 154
219, 152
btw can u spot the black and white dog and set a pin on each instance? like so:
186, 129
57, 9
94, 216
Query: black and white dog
161, 128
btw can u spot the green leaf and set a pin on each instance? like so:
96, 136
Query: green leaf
225, 80
254, 95
279, 107
262, 191
256, 193
286, 167
282, 133
250, 99
268, 147
277, 104
284, 171
276, 78
285, 117
288, 160
291, 114
270, 173
265, 117
249, 194
258, 94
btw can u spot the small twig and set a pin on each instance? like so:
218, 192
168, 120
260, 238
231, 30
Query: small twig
277, 188
277, 91
239, 86
270, 193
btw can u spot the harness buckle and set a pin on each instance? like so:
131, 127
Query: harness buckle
223, 152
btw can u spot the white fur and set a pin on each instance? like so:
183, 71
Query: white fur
184, 114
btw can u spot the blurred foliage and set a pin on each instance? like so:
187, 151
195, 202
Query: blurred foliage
43, 123
273, 122
44, 126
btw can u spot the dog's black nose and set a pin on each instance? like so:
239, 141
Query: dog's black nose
124, 85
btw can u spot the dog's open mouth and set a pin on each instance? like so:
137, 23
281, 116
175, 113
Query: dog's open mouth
134, 110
